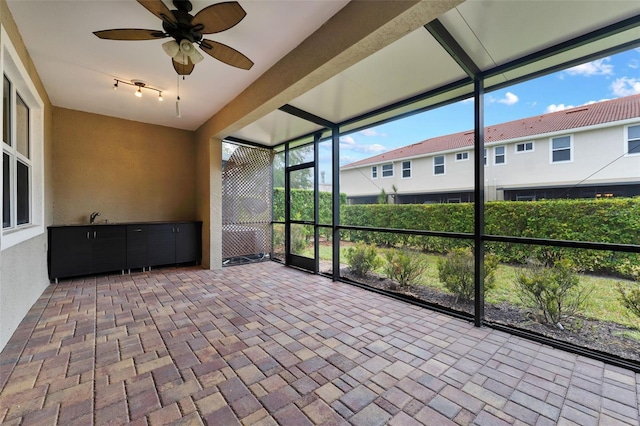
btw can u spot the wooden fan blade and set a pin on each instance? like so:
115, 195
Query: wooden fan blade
183, 69
129, 34
226, 54
219, 17
158, 8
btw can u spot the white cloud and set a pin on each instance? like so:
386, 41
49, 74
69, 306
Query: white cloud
347, 141
369, 149
509, 99
558, 107
597, 67
625, 86
369, 132
633, 64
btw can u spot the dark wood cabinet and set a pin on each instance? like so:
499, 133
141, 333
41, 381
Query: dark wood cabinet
84, 250
92, 249
137, 246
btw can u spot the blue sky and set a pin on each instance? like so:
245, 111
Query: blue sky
607, 78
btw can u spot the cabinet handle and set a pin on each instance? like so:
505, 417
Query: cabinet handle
94, 234
178, 229
137, 230
87, 235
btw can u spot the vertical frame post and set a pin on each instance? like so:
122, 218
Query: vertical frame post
335, 194
478, 229
287, 206
316, 204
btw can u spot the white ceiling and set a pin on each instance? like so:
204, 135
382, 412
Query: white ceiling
491, 32
78, 69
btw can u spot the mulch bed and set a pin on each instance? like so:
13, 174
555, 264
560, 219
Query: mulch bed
585, 332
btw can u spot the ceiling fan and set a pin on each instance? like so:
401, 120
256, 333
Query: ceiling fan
186, 31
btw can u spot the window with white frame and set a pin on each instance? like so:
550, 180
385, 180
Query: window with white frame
485, 156
16, 161
374, 172
633, 140
438, 165
22, 152
387, 170
406, 169
462, 156
561, 149
524, 147
499, 155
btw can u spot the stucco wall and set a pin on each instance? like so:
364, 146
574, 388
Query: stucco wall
126, 170
23, 267
209, 197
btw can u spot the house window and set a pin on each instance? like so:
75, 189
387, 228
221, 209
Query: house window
406, 169
387, 170
374, 172
561, 149
485, 156
462, 156
524, 147
16, 161
438, 165
22, 152
633, 139
499, 155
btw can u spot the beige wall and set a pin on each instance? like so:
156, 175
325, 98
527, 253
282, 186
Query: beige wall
126, 170
209, 197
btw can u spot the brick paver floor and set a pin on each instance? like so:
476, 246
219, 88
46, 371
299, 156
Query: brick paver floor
264, 344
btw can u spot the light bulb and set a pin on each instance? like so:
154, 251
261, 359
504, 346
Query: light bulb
139, 92
181, 58
115, 86
160, 97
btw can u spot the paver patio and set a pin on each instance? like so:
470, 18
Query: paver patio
266, 344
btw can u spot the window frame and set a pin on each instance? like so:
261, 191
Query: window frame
525, 150
443, 165
552, 150
374, 172
627, 152
485, 154
23, 86
462, 154
388, 170
404, 169
495, 155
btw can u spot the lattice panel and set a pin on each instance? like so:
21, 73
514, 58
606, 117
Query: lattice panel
246, 203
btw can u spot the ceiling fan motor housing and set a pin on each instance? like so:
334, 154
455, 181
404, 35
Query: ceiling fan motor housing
182, 29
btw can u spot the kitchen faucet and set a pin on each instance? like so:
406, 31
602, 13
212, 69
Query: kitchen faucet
93, 216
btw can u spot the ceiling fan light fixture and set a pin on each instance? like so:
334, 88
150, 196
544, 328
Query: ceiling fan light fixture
139, 92
160, 99
171, 48
186, 47
196, 57
181, 58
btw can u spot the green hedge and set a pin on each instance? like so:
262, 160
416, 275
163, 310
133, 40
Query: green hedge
302, 205
607, 221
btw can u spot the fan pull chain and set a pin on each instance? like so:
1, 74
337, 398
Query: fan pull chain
178, 99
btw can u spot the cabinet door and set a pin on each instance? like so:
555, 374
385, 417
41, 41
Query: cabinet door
137, 248
108, 248
162, 244
188, 245
69, 251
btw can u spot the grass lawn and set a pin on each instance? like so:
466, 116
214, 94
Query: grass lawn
603, 304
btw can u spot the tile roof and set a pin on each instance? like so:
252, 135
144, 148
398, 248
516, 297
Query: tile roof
573, 118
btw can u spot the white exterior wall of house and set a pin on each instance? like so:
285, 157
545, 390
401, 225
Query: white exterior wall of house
592, 148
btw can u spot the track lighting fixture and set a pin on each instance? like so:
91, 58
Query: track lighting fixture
140, 85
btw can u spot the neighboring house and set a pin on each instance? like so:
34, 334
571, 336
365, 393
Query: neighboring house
584, 152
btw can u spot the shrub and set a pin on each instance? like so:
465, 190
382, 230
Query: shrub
457, 271
554, 292
403, 266
362, 258
298, 238
630, 298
